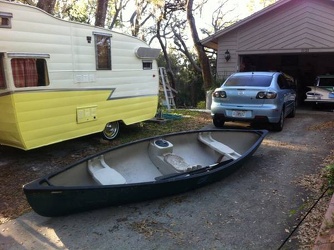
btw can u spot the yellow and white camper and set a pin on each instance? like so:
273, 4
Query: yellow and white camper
61, 80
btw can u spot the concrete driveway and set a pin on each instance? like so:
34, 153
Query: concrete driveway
254, 208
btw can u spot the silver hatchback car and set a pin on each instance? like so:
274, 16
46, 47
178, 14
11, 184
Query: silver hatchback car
256, 97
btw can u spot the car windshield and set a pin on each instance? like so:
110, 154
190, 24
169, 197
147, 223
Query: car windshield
249, 80
326, 82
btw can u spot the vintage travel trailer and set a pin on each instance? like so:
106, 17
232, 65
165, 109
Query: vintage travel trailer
61, 80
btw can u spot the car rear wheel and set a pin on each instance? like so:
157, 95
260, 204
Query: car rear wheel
110, 130
279, 125
218, 121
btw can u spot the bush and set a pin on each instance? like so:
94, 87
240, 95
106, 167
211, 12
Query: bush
330, 174
201, 105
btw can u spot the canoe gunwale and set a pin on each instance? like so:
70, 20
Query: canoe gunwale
46, 178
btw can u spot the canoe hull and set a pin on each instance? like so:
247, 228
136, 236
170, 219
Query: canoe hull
50, 201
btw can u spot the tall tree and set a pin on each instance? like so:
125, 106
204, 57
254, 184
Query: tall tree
116, 17
47, 5
202, 57
163, 30
140, 16
160, 35
101, 13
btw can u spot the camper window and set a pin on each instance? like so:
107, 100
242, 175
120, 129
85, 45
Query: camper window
5, 20
147, 64
103, 52
2, 75
29, 72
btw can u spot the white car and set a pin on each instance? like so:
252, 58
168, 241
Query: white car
322, 91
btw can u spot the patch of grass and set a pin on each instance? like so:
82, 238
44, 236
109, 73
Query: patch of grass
292, 212
329, 174
190, 120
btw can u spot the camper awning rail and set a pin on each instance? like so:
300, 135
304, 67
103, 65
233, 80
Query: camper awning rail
102, 34
28, 55
6, 14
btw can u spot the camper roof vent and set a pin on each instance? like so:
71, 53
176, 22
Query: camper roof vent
147, 53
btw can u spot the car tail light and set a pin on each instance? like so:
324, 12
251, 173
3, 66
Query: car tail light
219, 94
266, 95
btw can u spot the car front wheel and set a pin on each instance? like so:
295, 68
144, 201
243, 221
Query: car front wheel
279, 125
111, 130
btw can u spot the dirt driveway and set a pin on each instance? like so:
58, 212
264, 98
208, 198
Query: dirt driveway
254, 208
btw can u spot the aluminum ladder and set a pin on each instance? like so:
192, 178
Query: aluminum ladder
166, 88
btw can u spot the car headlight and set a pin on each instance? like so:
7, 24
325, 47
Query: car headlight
266, 95
219, 94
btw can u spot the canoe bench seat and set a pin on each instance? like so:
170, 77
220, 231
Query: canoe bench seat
206, 138
102, 173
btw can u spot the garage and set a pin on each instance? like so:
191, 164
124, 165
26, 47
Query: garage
303, 67
292, 36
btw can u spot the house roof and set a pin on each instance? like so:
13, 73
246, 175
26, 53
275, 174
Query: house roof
212, 41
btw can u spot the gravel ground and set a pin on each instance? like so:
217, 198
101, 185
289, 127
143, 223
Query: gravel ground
255, 208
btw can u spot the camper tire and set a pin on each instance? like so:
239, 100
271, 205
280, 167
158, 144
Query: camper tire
110, 130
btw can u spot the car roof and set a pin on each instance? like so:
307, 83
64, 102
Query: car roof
256, 73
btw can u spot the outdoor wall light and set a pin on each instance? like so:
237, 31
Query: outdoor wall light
227, 55
89, 39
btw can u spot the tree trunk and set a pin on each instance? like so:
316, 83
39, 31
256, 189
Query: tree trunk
101, 12
203, 59
164, 50
47, 5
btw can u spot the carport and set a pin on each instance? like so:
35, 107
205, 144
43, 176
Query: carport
293, 36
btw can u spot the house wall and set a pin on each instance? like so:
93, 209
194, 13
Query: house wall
225, 68
297, 27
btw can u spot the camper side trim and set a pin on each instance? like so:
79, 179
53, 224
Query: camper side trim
76, 90
128, 97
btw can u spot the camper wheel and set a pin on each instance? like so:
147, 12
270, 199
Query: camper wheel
111, 130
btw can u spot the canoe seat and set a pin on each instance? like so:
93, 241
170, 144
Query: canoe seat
161, 154
219, 147
179, 163
102, 173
